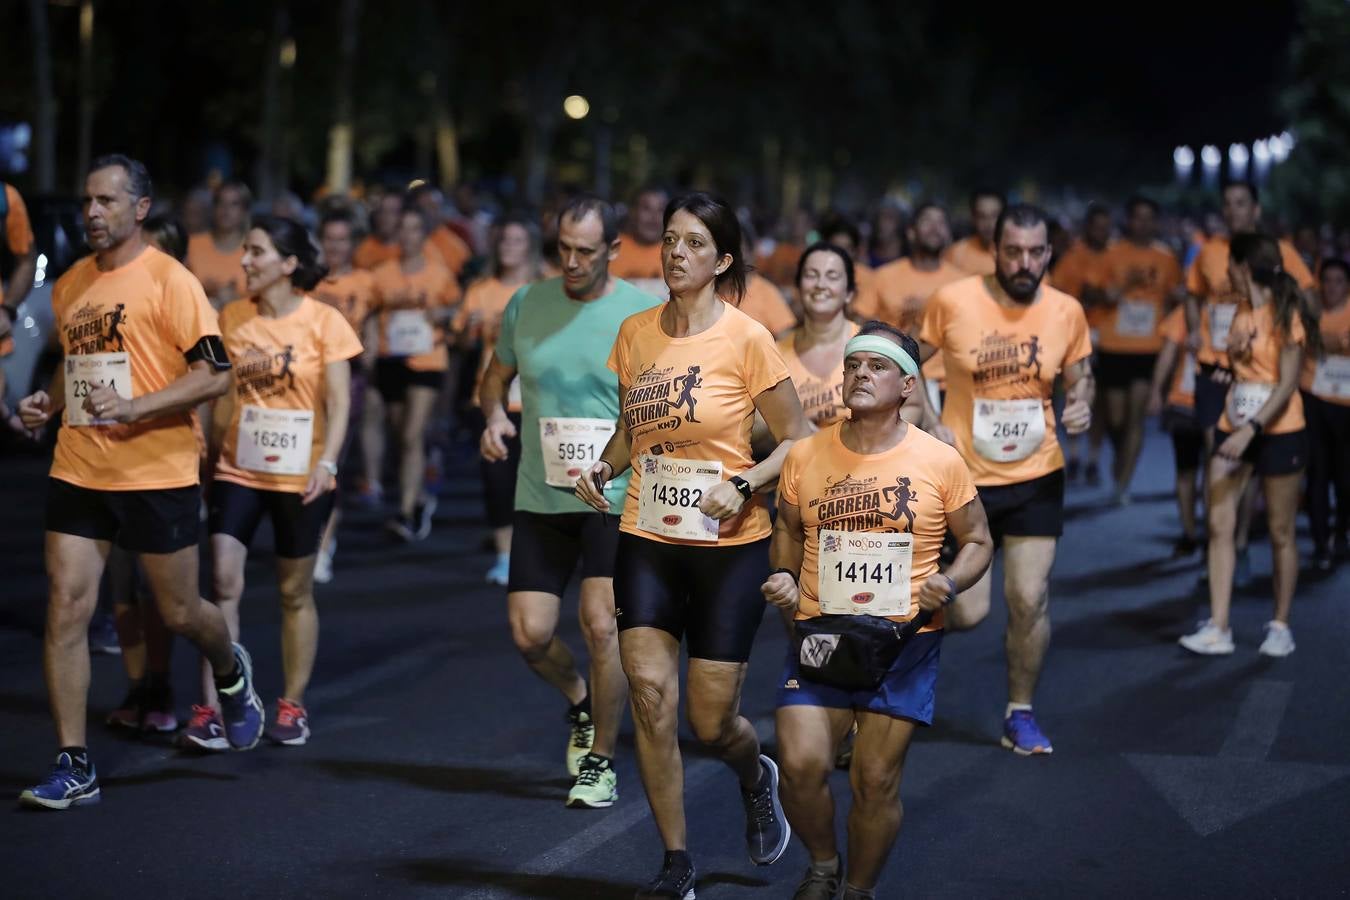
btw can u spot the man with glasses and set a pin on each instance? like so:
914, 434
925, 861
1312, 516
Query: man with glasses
1006, 337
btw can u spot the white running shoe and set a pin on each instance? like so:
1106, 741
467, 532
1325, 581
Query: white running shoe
1279, 640
323, 566
1209, 640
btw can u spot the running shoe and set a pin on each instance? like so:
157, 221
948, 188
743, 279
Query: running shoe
1023, 736
676, 879
323, 565
401, 527
1209, 640
291, 725
204, 731
852, 893
157, 713
1184, 547
500, 573
370, 496
817, 885
103, 635
766, 827
422, 517
240, 708
66, 785
579, 741
1242, 569
129, 712
596, 787
1279, 640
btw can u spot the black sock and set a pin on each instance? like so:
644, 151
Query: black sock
583, 707
678, 859
79, 757
603, 762
156, 682
229, 682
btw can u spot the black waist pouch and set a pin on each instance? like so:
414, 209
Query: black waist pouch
852, 653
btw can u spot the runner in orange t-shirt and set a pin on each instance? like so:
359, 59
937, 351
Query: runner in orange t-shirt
414, 301
814, 351
838, 230
382, 244
17, 233
763, 301
694, 535
513, 263
1007, 337
864, 506
1172, 396
350, 291
1261, 430
1143, 280
141, 351
780, 264
453, 250
975, 254
1326, 405
276, 439
639, 259
214, 256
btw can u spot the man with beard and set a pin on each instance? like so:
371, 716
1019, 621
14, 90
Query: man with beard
1006, 337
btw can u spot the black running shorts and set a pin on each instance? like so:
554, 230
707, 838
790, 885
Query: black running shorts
1273, 454
1032, 508
158, 521
709, 596
546, 547
297, 528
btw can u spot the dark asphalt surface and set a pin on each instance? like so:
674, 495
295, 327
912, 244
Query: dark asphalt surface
435, 768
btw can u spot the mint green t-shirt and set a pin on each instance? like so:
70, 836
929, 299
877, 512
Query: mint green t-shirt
560, 347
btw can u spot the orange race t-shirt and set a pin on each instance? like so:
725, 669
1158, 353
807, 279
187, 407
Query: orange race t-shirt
821, 393
908, 489
480, 319
780, 265
352, 294
1262, 364
971, 256
636, 259
454, 252
1329, 377
397, 292
154, 310
1207, 279
1001, 365
214, 267
1146, 276
1181, 393
692, 398
18, 228
372, 252
765, 304
1082, 266
279, 365
902, 291
864, 288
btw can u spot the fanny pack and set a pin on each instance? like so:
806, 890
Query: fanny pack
852, 653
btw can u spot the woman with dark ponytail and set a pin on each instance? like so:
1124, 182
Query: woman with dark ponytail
1261, 431
275, 440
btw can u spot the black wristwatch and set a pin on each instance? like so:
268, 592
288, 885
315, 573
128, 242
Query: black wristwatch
742, 486
1256, 427
788, 572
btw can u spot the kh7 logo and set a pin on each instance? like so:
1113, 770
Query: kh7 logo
863, 598
672, 520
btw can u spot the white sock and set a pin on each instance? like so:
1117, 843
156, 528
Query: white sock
828, 867
1014, 707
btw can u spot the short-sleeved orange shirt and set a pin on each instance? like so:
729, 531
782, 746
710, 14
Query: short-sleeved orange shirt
997, 353
1181, 393
902, 291
780, 266
971, 256
280, 364
765, 304
214, 267
18, 229
1083, 266
454, 252
352, 294
1147, 276
636, 259
1334, 323
693, 398
154, 310
864, 288
372, 252
908, 489
480, 317
1262, 365
821, 393
429, 287
1207, 279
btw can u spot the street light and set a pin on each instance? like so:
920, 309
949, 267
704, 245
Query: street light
1238, 157
1183, 160
576, 107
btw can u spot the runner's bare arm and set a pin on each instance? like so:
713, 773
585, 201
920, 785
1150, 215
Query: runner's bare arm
785, 552
1162, 374
222, 413
970, 526
203, 381
613, 462
337, 401
40, 407
21, 278
492, 395
1191, 304
1079, 392
782, 412
1291, 364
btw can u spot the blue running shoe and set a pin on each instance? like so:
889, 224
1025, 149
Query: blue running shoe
1023, 736
241, 708
65, 786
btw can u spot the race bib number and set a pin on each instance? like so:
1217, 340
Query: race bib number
864, 572
934, 394
571, 446
1220, 323
654, 286
274, 441
1008, 430
1245, 399
1331, 377
94, 370
1187, 385
671, 492
1136, 318
409, 333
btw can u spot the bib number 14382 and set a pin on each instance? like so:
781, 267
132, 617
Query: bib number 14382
671, 491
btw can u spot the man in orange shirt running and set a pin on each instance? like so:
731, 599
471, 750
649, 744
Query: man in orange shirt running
639, 259
975, 254
125, 469
214, 256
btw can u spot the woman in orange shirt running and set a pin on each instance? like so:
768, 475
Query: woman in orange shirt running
1261, 430
694, 535
276, 438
